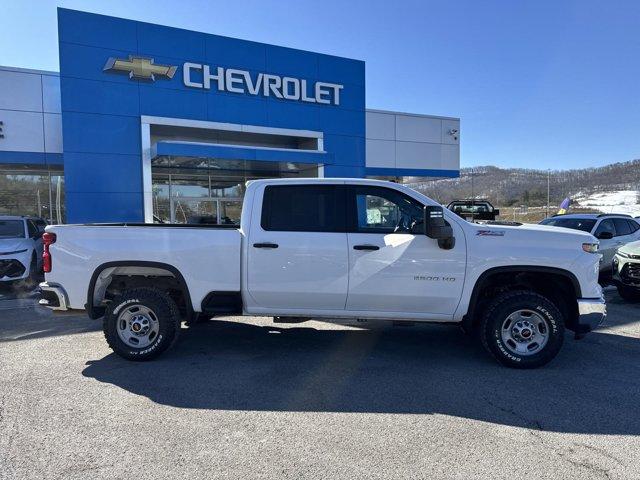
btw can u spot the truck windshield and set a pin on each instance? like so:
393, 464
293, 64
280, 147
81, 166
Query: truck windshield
11, 229
584, 224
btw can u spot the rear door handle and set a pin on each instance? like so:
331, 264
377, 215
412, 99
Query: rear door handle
366, 247
265, 245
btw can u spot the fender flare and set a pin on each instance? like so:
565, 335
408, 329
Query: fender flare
467, 321
96, 312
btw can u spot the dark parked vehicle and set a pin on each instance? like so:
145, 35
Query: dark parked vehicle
472, 210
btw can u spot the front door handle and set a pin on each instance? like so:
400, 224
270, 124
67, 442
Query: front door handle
265, 245
366, 247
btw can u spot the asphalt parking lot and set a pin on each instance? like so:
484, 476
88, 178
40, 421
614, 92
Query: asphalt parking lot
244, 398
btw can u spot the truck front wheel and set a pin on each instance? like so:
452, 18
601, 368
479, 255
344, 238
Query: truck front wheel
522, 329
141, 323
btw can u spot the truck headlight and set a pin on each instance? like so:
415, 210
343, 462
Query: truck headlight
590, 247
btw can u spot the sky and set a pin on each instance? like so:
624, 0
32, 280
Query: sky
536, 84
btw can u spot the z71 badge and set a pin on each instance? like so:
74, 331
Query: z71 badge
490, 233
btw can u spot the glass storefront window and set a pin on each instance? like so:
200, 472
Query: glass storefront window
161, 203
232, 191
230, 212
189, 186
37, 193
196, 190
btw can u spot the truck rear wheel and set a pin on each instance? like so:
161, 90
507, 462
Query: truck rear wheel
141, 323
522, 329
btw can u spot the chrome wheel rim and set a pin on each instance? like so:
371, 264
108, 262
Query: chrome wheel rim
525, 332
138, 326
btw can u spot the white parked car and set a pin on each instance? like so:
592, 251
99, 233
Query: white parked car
331, 249
626, 271
20, 248
613, 231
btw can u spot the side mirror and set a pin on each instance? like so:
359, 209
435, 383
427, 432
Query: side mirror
605, 235
437, 228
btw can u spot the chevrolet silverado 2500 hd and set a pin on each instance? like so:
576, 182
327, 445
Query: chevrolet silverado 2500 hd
331, 249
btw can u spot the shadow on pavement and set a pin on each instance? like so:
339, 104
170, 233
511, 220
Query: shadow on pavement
592, 387
27, 321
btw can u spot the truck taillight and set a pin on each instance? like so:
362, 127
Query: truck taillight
48, 238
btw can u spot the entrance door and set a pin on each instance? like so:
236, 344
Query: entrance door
392, 269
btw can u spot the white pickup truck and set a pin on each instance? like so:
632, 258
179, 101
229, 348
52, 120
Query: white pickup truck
331, 249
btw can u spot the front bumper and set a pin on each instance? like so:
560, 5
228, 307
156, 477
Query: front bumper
14, 266
591, 314
53, 296
626, 271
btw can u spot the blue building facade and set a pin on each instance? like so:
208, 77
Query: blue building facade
101, 110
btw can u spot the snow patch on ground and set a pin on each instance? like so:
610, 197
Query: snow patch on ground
618, 201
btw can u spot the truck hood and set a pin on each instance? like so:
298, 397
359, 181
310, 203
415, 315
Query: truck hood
542, 232
13, 244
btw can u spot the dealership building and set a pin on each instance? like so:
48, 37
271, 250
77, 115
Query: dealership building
146, 123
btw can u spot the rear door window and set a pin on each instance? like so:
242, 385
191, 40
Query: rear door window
606, 226
633, 225
303, 208
622, 227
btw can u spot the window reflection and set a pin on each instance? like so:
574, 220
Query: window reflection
37, 193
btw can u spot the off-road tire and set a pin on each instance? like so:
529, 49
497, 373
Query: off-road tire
629, 294
497, 312
165, 310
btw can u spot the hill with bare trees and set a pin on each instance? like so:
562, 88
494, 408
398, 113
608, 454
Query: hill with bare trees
517, 186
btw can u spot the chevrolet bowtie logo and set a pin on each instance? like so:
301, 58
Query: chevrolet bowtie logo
140, 68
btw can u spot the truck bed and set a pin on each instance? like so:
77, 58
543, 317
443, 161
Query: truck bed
207, 256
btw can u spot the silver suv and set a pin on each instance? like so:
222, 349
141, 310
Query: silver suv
20, 248
613, 231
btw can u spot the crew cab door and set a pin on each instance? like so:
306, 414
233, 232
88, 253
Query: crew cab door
297, 248
391, 268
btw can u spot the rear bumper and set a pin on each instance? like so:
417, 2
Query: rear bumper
591, 314
53, 296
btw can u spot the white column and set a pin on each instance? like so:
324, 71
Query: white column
147, 187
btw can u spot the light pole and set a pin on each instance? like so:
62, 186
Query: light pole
471, 171
548, 189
